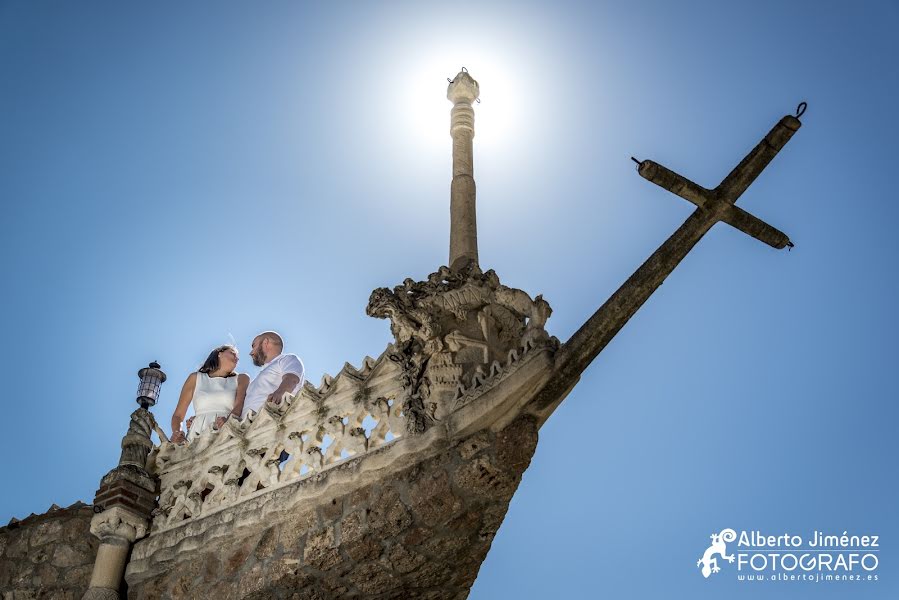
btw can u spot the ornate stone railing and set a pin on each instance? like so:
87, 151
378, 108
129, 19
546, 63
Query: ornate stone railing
349, 414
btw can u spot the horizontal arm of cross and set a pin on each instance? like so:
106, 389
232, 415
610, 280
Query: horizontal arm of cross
752, 225
710, 200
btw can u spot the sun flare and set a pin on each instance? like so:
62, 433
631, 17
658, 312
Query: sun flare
425, 109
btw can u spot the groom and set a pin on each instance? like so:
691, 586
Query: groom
280, 374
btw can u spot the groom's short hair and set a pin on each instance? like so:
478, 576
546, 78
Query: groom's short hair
273, 337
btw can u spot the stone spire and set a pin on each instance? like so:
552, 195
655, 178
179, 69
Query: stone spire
462, 91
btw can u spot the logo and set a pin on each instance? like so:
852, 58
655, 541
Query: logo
819, 557
708, 562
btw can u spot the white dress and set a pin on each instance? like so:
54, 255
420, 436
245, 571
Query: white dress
213, 397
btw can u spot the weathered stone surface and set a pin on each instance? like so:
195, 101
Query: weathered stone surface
267, 544
212, 569
41, 554
430, 493
321, 552
352, 527
17, 544
48, 556
47, 532
252, 581
66, 556
293, 531
480, 477
402, 560
238, 557
515, 445
473, 445
430, 574
415, 536
491, 518
387, 514
354, 542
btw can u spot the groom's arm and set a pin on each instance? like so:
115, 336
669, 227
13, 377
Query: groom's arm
288, 383
292, 378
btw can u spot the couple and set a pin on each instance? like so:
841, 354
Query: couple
218, 392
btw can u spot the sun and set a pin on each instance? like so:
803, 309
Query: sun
425, 109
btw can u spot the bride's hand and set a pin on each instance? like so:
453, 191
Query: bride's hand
178, 437
219, 421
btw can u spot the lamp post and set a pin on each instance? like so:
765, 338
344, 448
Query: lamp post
127, 494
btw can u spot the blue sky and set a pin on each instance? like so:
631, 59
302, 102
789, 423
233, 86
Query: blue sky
174, 174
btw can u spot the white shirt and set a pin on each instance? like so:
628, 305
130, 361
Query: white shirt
269, 379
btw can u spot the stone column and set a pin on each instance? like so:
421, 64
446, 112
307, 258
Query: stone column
123, 503
462, 91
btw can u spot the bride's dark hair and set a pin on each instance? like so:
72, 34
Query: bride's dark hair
212, 362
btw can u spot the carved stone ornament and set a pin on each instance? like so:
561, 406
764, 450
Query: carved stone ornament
450, 329
136, 444
117, 524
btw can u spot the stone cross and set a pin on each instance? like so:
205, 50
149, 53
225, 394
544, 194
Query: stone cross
718, 204
462, 91
712, 206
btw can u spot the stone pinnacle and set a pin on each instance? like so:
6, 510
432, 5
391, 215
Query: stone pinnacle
462, 91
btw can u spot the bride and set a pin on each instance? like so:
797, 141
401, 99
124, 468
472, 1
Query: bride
215, 390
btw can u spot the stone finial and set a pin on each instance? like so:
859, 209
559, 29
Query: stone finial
463, 88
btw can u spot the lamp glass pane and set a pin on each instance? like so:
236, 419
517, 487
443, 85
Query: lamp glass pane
149, 387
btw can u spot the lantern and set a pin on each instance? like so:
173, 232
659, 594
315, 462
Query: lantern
151, 379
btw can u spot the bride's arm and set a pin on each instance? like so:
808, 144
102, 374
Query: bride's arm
187, 394
243, 380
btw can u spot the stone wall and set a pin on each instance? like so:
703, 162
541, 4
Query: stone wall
48, 556
421, 532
